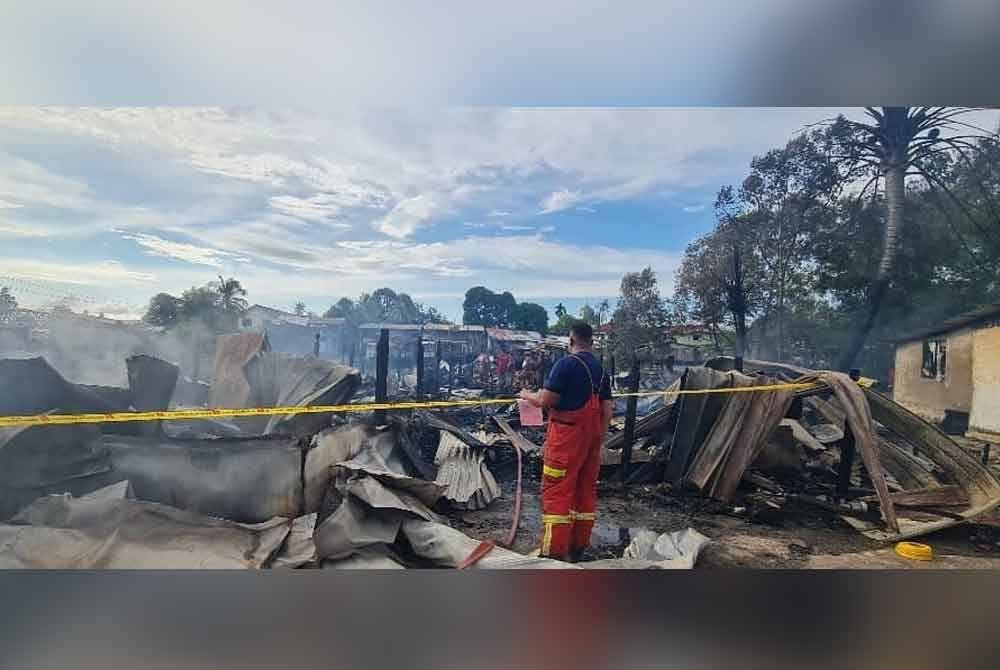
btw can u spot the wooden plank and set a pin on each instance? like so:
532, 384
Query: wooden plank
763, 416
436, 422
721, 438
518, 440
696, 414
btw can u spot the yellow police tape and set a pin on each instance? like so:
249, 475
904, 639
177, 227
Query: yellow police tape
181, 414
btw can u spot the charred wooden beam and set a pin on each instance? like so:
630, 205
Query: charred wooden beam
382, 374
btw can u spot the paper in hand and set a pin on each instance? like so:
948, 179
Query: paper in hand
530, 414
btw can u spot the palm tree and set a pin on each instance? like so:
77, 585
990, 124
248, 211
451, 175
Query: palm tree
231, 294
896, 143
603, 308
560, 311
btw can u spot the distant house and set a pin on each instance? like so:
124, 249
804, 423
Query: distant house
951, 372
293, 334
455, 341
258, 317
503, 338
691, 343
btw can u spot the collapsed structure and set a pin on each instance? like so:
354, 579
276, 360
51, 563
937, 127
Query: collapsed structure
380, 491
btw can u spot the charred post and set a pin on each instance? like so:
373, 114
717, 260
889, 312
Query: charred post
630, 411
420, 367
382, 374
847, 453
437, 368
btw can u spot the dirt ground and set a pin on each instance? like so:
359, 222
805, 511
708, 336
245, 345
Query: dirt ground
791, 539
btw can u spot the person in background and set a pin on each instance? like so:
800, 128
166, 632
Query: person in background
577, 395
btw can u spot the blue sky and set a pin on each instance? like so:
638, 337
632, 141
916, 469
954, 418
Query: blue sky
386, 182
115, 204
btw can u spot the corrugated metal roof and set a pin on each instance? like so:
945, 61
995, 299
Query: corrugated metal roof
977, 315
445, 327
507, 335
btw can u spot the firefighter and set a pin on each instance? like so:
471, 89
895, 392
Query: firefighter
577, 395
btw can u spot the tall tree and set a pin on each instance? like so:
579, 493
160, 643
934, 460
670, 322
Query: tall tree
640, 317
164, 310
342, 309
785, 197
603, 308
894, 143
560, 310
300, 308
201, 303
531, 316
483, 307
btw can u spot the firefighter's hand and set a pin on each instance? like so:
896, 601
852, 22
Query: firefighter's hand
525, 394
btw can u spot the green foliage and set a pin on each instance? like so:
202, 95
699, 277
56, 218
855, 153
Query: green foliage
383, 306
811, 234
164, 310
217, 305
483, 307
531, 316
641, 317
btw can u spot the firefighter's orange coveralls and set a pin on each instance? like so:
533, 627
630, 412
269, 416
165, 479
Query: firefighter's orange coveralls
571, 465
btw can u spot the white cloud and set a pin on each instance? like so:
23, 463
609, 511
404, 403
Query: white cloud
499, 225
25, 183
557, 201
408, 215
107, 273
497, 213
323, 207
190, 253
589, 210
9, 205
694, 209
21, 230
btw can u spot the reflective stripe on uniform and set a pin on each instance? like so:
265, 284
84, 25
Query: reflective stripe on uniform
550, 519
555, 473
584, 516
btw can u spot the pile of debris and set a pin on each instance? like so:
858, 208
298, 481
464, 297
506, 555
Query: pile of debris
253, 492
338, 491
914, 479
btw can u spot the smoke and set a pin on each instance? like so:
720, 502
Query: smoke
88, 351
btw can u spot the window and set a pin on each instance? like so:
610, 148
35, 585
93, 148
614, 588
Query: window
935, 359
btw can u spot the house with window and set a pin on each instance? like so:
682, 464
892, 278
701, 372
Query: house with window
951, 373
